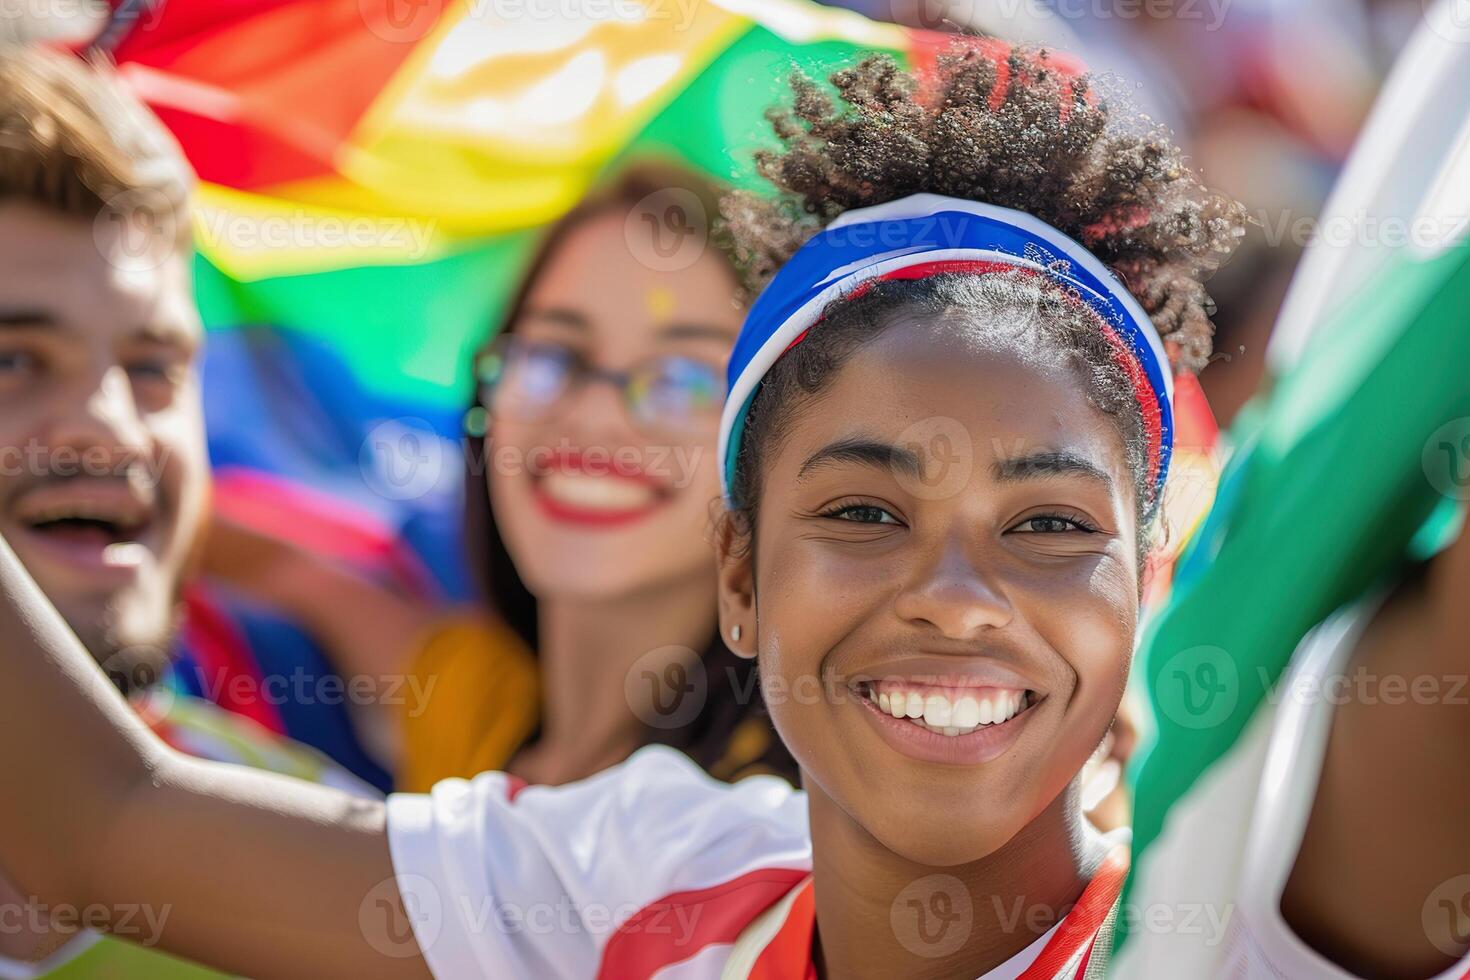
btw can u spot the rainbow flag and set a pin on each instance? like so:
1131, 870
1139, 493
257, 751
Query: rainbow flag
372, 176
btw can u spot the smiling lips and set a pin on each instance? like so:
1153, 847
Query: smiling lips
948, 711
89, 528
571, 488
964, 719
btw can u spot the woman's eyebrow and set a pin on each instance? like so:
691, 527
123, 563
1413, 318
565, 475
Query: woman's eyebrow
698, 331
866, 452
563, 315
1034, 466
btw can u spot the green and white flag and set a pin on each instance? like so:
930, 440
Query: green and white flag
1355, 459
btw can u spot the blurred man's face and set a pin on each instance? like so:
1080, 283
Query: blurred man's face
103, 473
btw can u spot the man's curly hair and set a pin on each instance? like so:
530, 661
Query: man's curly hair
1044, 146
1009, 127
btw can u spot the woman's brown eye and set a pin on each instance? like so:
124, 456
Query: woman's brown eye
863, 514
1050, 525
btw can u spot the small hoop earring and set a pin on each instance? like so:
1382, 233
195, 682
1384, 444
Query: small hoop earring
735, 633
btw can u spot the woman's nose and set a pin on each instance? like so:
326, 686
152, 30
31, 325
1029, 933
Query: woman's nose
954, 595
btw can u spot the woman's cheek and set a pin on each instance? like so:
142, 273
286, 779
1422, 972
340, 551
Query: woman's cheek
1090, 622
820, 593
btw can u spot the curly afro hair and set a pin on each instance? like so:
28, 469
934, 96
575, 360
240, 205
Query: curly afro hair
1010, 127
1017, 128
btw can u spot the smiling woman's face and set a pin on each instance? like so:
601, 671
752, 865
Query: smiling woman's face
593, 500
946, 548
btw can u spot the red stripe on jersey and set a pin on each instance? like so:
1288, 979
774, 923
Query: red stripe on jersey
1080, 926
788, 956
653, 937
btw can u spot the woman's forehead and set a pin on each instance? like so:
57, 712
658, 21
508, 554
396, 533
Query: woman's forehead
943, 394
598, 281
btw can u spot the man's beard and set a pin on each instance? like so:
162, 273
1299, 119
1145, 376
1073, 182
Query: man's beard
133, 664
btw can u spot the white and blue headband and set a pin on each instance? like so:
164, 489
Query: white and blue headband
927, 234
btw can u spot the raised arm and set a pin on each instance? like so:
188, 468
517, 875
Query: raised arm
248, 872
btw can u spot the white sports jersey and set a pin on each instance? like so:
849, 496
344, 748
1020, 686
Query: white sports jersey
650, 869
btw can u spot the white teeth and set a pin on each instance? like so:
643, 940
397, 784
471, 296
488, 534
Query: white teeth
938, 713
937, 710
125, 554
596, 492
968, 712
915, 706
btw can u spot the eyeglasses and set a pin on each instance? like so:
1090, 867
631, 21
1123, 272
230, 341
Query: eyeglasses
531, 381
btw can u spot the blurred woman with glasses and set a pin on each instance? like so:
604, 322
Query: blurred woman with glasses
592, 469
590, 472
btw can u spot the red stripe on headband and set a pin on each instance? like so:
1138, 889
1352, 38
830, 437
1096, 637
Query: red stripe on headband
923, 270
1153, 423
1123, 354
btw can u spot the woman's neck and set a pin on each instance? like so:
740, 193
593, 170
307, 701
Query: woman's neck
881, 915
593, 715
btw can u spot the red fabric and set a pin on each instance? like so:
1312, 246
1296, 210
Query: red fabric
1194, 421
221, 654
645, 944
1080, 926
251, 88
319, 523
791, 947
788, 956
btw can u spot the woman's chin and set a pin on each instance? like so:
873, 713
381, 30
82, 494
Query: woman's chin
942, 836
